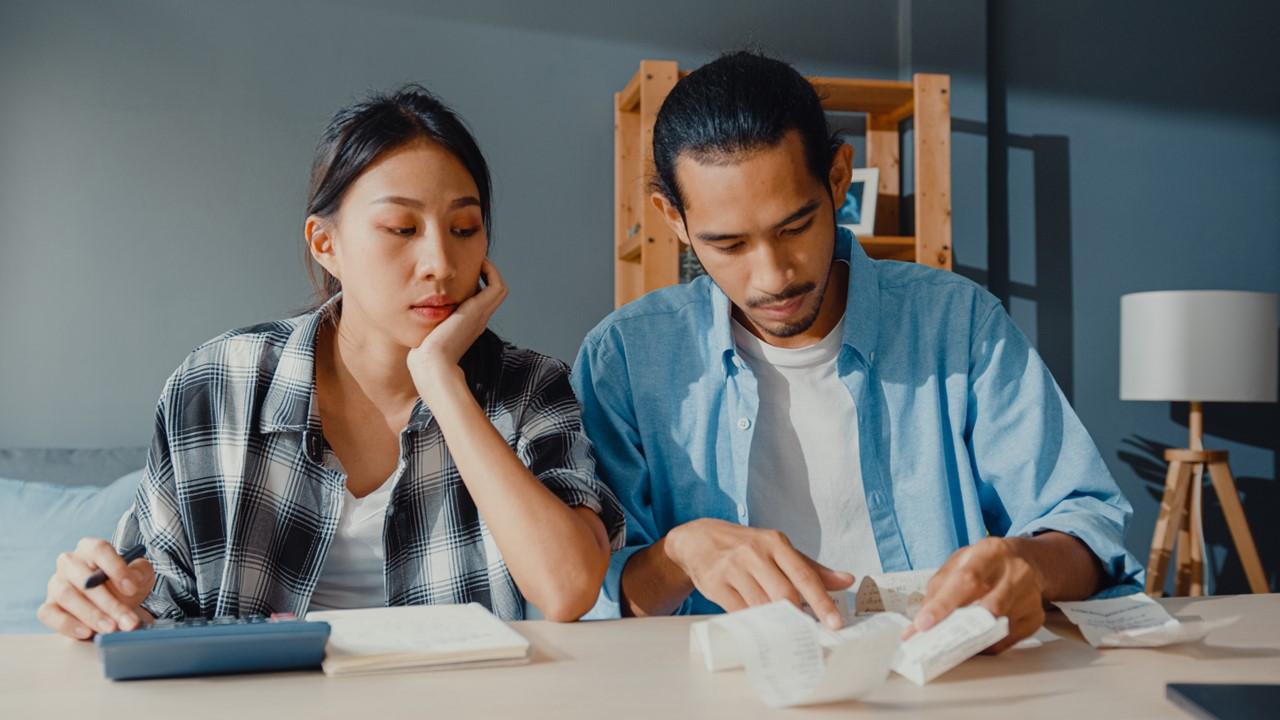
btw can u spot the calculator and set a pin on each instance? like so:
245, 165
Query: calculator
174, 648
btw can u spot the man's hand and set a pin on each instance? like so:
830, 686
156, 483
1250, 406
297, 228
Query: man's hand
994, 573
737, 567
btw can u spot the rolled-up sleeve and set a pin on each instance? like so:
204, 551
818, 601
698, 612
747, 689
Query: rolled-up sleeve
155, 521
600, 380
1037, 468
556, 450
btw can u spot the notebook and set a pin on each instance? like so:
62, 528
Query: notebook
418, 637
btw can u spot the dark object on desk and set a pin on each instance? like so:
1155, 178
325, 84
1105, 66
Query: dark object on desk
1225, 702
212, 647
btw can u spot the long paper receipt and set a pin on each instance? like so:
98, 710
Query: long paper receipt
793, 660
1134, 621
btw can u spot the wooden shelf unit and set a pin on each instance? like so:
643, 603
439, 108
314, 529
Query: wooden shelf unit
647, 254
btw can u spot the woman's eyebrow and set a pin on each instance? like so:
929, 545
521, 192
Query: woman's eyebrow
399, 200
464, 201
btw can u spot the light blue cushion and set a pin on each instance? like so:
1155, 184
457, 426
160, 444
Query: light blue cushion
38, 521
71, 466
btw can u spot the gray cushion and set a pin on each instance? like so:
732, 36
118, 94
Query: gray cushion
64, 466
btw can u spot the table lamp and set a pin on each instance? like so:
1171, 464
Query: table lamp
1198, 346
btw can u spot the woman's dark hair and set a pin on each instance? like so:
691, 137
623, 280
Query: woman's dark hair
359, 134
740, 102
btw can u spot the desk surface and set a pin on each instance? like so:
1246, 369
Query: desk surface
643, 668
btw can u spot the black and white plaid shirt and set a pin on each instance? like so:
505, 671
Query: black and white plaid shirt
238, 505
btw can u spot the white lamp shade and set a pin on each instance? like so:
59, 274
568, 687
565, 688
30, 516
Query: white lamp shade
1207, 345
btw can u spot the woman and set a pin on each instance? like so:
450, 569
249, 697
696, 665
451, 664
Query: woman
383, 449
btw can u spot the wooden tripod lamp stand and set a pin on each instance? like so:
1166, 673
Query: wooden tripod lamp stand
1198, 346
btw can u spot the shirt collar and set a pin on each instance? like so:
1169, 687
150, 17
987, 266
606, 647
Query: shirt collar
862, 305
291, 394
861, 312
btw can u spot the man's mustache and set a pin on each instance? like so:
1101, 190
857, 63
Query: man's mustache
792, 292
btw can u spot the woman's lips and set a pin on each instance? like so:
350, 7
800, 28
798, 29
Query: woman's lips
433, 313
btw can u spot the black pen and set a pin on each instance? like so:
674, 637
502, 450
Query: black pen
98, 577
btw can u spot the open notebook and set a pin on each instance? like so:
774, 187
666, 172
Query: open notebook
419, 636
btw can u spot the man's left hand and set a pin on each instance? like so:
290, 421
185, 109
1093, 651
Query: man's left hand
993, 573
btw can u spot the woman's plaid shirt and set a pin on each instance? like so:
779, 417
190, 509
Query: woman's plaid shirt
238, 507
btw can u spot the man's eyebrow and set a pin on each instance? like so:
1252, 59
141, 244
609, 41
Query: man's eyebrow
806, 209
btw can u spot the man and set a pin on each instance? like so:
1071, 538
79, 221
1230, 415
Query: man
805, 414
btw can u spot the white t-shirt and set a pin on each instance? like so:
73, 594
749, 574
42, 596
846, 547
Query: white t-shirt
804, 478
353, 575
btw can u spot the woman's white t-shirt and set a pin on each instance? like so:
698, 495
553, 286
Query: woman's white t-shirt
353, 574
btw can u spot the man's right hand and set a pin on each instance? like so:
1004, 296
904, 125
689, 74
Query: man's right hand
78, 613
737, 567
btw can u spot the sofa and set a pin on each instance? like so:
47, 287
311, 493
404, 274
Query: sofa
49, 499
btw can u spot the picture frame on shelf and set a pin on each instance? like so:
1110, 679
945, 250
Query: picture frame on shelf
858, 213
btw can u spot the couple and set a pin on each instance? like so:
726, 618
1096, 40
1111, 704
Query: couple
801, 414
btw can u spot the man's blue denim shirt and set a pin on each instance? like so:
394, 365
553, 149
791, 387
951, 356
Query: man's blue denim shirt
963, 432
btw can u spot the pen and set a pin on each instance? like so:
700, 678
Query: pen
98, 577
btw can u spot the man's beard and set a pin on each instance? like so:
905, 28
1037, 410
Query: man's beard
795, 327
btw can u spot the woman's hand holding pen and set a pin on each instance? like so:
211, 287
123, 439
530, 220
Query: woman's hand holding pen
79, 605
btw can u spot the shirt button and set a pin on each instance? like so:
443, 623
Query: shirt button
742, 511
743, 423
877, 499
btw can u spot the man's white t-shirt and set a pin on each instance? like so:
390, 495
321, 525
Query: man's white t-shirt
804, 477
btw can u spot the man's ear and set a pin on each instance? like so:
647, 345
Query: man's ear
671, 215
319, 235
838, 179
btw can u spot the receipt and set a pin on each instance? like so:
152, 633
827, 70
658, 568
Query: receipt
792, 660
1042, 637
1135, 621
964, 633
900, 592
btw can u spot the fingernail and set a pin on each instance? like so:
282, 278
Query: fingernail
127, 621
128, 587
106, 625
83, 632
924, 621
833, 621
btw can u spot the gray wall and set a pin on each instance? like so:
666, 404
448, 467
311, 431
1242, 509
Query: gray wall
1160, 127
153, 161
153, 157
1141, 144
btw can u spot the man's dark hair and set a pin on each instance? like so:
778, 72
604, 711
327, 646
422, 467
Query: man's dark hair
740, 102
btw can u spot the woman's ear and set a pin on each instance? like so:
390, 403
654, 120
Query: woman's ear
319, 234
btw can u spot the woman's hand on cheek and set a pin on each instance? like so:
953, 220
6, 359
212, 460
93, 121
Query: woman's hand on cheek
438, 354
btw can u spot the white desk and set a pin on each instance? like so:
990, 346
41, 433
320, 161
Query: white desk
642, 668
